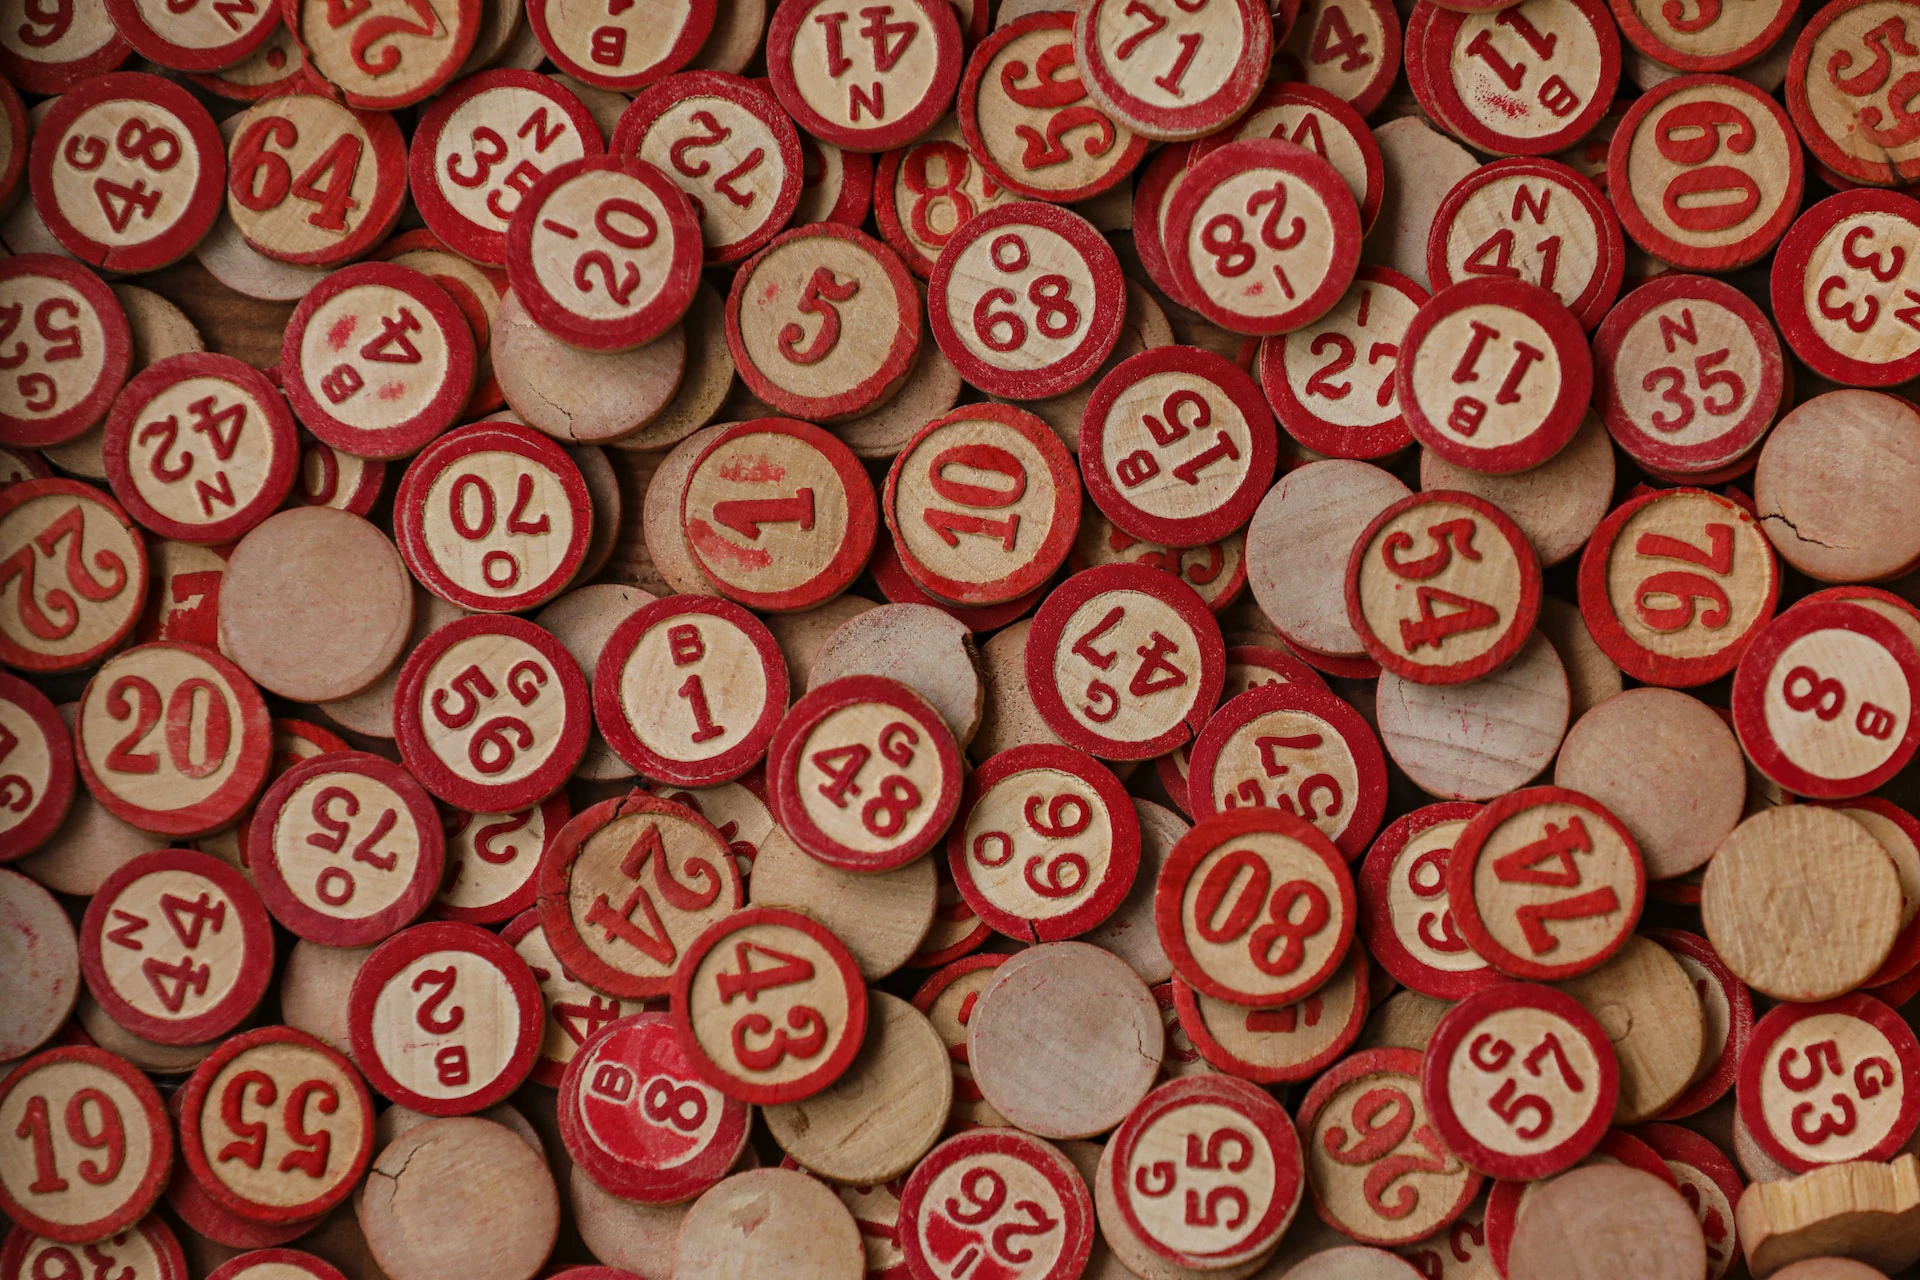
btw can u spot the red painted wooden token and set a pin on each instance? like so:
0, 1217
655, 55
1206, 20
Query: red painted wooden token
1404, 917
475, 289
1687, 373
1331, 383
52, 50
14, 136
492, 860
1830, 1082
769, 1007
1728, 1009
73, 351
1899, 834
1262, 236
1217, 571
200, 447
1281, 1045
377, 360
1545, 884
929, 189
864, 774
617, 47
836, 185
36, 767
1520, 1081
127, 171
1694, 201
184, 605
1839, 285
481, 147
1046, 844
492, 517
949, 998
627, 885
1844, 101
738, 811
638, 1119
1153, 192
313, 182
346, 849
275, 1264
1008, 1199
329, 477
275, 1126
1029, 122
196, 37
277, 66
1710, 1184
728, 683
1350, 48
386, 54
982, 505
1186, 73
1169, 1152
1311, 117
1526, 81
1443, 588
18, 464
1494, 374
492, 713
1504, 221
824, 323
177, 947
1297, 748
778, 514
145, 1251
1379, 1171
1708, 39
91, 1145
1823, 700
867, 87
445, 1018
81, 577
573, 1010
900, 587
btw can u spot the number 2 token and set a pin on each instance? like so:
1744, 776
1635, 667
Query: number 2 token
866, 87
1830, 1082
1184, 73
1331, 383
92, 1147
1001, 1195
76, 571
313, 182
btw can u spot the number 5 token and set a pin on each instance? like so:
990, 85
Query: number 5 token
867, 87
1842, 90
85, 575
1520, 1081
315, 183
769, 1007
1826, 1083
92, 1147
50, 50
1001, 1195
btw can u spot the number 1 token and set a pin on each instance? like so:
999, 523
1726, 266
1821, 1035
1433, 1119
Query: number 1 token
866, 87
92, 1146
1185, 73
1331, 383
313, 182
1830, 1082
1000, 1195
84, 575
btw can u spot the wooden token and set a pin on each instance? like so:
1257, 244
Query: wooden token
1009, 716
21, 464
1728, 1010
1827, 1268
86, 848
43, 970
1838, 269
926, 191
1349, 48
547, 382
923, 647
836, 185
1646, 1004
949, 999
1810, 457
955, 931
293, 742
728, 146
1573, 247
1617, 1220
1896, 830
706, 378
1489, 78
461, 1169
801, 636
1870, 1210
52, 51
1067, 1043
1311, 375
475, 290
737, 810
36, 753
1314, 118
1153, 194
1708, 1182
1216, 571
185, 603
312, 182
315, 982
618, 49
1286, 1044
573, 1012
187, 40
277, 65
1836, 101
1300, 540
1830, 1082
1479, 740
870, 88
883, 919
964, 1196
1557, 505
1717, 40
75, 359
275, 1264
1181, 1059
770, 1222
1179, 78
414, 59
108, 176
119, 1142
1404, 916
1507, 1200
1013, 90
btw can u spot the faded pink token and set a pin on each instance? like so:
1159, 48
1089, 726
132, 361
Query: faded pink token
618, 46
51, 51
1006, 1198
1830, 1082
1404, 918
1841, 283
1528, 80
1186, 73
92, 1147
1331, 383
70, 348
194, 37
36, 767
492, 860
867, 87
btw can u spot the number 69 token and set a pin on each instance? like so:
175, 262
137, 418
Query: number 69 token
89, 1149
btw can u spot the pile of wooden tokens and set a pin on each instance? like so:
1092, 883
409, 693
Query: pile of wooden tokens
959, 639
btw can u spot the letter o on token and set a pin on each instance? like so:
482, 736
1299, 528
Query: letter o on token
107, 1166
1840, 286
67, 373
1830, 1082
869, 87
1015, 1190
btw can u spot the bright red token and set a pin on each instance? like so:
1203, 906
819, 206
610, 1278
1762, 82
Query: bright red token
145, 1251
1706, 202
729, 683
1728, 1007
1001, 1196
194, 37
1311, 117
492, 713
387, 331
1709, 39
480, 148
1520, 1081
313, 182
1824, 698
574, 1011
1184, 74
1046, 844
638, 1119
1844, 92
36, 767
805, 1014
127, 171
928, 190
1169, 1153
1830, 1082
1379, 1170
492, 517
619, 47
445, 1018
200, 447
835, 185
1404, 917
1710, 1183
844, 806
82, 586
1545, 884
1526, 81
1331, 383
869, 87
346, 849
70, 362
1687, 373
331, 478
1217, 571
111, 1130
1503, 221
421, 46
1262, 236
976, 543
1840, 288
52, 50
1026, 117
1443, 588
1526, 358
1349, 48
275, 1126
492, 860
1282, 1045
176, 947
779, 515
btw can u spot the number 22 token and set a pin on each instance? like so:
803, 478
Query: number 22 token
313, 182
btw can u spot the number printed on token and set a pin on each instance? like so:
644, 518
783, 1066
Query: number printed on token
315, 183
573, 1011
1404, 917
194, 37
621, 47
1284, 1044
1300, 113
1350, 48
1173, 73
493, 859
52, 50
769, 1007
1714, 37
88, 1145
1841, 288
928, 190
445, 1018
331, 478
1528, 80
73, 575
386, 54
1830, 1082
864, 77
36, 767
71, 347
145, 1251
1001, 1196
1843, 87
1332, 384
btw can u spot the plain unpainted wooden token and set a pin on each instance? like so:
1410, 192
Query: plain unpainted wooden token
622, 1233
1130, 932
88, 847
1557, 505
927, 649
582, 620
705, 380
84, 455
463, 1170
803, 636
1008, 716
882, 918
1801, 902
315, 982
228, 258
1863, 1210
150, 1056
1300, 540
39, 966
1479, 740
159, 328
660, 523
1067, 1043
582, 397
316, 604
1755, 1163
1646, 1004
769, 1222
1837, 483
1591, 676
1605, 1221
1352, 1262
370, 711
1405, 1020
737, 28
603, 494
1667, 766
931, 389
1422, 165
396, 1120
1830, 1269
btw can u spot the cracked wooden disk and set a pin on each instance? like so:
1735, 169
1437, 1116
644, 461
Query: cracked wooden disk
1831, 1082
1816, 454
1478, 740
583, 397
1300, 541
416, 55
1608, 1220
459, 1170
878, 91
1349, 48
119, 1144
69, 369
1646, 1004
776, 1222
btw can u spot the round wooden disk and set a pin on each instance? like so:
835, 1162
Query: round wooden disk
929, 189
1646, 1003
801, 636
1487, 76
275, 1264
417, 53
353, 185
1480, 740
882, 918
1616, 1221
1557, 505
705, 380
623, 50
1404, 916
1573, 247
1896, 830
1816, 454
68, 371
1216, 570
1009, 717
970, 1188
36, 790
836, 185
119, 1144
1300, 540
452, 1171
773, 1222
1355, 1118
1180, 78
1707, 40
881, 90
1837, 105
1284, 1044
1836, 272
634, 1237
314, 984
1349, 48
18, 464
1867, 1109
1828, 934
932, 388
52, 52
1355, 1262
584, 397
1325, 392
949, 999
1066, 1044
573, 1011
922, 646
42, 966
